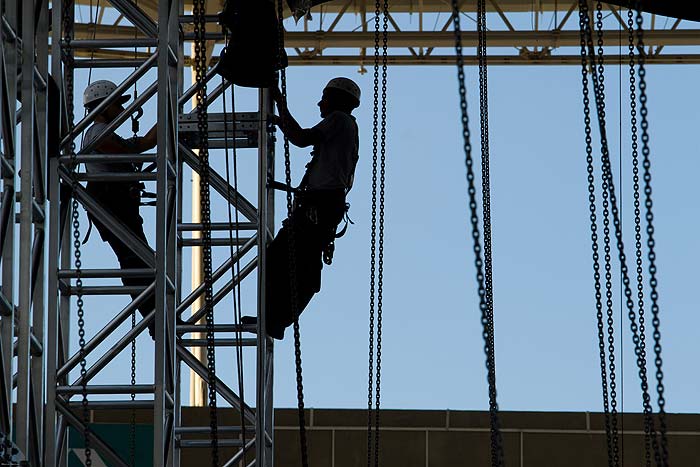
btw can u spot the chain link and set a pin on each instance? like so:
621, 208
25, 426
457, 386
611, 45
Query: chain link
587, 50
484, 306
132, 425
68, 9
637, 215
651, 242
294, 299
200, 62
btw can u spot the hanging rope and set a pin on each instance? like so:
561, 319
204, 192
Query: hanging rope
294, 302
588, 56
200, 62
68, 9
485, 305
235, 271
377, 233
651, 242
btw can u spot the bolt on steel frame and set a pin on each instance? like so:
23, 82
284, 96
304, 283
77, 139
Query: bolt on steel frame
36, 289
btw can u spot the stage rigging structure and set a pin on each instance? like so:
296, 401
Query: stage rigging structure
38, 167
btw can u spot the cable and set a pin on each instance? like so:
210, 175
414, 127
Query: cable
235, 272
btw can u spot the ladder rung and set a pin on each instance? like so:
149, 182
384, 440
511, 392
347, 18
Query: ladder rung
205, 443
215, 226
105, 273
186, 242
189, 328
108, 389
196, 430
102, 289
117, 177
248, 342
109, 158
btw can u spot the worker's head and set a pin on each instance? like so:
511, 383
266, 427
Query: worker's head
99, 90
339, 94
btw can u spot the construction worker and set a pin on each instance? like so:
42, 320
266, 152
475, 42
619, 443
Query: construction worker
120, 198
320, 203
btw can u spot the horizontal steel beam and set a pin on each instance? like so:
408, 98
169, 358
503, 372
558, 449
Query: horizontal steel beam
516, 39
526, 60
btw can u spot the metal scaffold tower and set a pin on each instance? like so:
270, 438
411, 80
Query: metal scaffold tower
48, 388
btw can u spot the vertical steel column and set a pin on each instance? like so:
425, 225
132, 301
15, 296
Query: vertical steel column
58, 310
264, 376
8, 169
28, 420
166, 224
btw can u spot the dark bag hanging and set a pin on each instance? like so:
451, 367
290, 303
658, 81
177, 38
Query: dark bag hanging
250, 58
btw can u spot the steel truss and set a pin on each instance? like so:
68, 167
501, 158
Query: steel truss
36, 254
523, 32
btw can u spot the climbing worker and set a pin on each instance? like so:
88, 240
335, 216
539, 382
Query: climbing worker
319, 201
121, 198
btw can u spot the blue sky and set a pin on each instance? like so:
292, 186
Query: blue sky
546, 338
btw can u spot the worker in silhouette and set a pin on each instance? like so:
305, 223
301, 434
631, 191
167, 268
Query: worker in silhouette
319, 203
120, 198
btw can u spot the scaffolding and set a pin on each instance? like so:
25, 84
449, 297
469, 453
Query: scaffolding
39, 382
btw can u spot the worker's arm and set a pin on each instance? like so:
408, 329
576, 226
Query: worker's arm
113, 144
298, 136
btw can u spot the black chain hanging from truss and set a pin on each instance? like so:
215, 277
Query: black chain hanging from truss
484, 307
497, 456
595, 250
607, 249
588, 56
377, 231
293, 298
637, 213
651, 242
68, 9
200, 65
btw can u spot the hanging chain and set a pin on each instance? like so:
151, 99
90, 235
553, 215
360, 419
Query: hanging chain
294, 300
588, 51
373, 237
132, 426
380, 257
200, 62
496, 460
651, 242
497, 455
594, 242
637, 215
607, 248
68, 9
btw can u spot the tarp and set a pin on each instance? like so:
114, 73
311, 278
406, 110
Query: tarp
683, 9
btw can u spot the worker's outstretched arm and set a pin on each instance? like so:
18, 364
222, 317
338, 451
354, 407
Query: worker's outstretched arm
113, 144
298, 136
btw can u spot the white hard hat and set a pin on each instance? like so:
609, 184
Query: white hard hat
345, 84
99, 90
